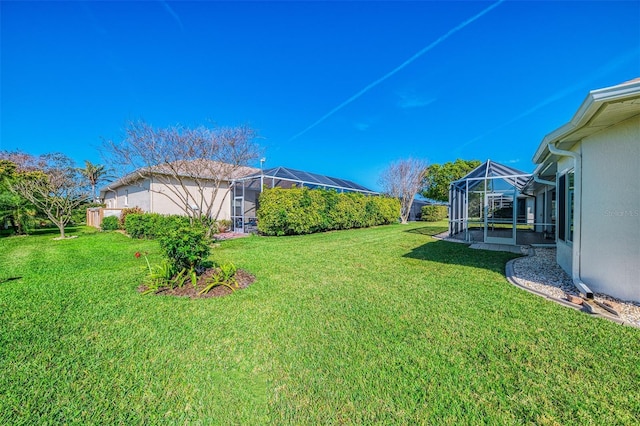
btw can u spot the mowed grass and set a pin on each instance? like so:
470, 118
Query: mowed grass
383, 325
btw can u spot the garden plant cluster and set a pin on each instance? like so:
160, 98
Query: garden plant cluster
185, 248
298, 211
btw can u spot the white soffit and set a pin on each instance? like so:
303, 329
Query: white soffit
601, 109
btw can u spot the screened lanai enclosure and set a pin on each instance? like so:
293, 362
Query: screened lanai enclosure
491, 205
246, 191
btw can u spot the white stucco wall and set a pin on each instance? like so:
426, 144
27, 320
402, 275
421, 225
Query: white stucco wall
154, 197
134, 195
161, 197
610, 211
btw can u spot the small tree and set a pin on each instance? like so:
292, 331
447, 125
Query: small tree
191, 165
56, 189
402, 180
438, 177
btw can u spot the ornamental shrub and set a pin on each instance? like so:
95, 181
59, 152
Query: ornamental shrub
153, 225
110, 223
303, 211
185, 247
434, 213
125, 212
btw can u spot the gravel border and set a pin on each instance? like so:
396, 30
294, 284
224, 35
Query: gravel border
539, 273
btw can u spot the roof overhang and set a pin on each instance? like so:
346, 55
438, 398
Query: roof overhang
601, 109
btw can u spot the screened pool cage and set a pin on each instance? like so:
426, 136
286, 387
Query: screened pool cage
246, 191
497, 204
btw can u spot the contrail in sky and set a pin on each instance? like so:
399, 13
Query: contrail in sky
172, 13
399, 67
586, 82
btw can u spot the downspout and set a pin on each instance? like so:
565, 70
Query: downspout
151, 194
577, 240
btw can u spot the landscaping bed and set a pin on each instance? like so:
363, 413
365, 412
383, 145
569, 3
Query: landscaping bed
243, 278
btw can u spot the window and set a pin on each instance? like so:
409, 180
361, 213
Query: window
562, 183
566, 190
126, 197
570, 208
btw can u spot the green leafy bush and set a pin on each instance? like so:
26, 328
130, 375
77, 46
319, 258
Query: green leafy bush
185, 247
110, 223
126, 212
153, 225
434, 213
303, 211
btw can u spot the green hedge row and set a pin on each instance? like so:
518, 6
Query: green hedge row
152, 225
434, 213
304, 211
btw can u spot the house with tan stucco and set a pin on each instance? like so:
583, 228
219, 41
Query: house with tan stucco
203, 187
217, 190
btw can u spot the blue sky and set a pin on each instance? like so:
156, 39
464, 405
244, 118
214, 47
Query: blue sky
338, 88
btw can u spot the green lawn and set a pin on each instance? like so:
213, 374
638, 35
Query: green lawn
382, 325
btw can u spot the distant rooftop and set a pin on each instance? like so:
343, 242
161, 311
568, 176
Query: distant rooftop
308, 179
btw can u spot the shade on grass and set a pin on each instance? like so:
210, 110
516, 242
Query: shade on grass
382, 325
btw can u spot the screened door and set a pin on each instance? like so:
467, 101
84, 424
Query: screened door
500, 217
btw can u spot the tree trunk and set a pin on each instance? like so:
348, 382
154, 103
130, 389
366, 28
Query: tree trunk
61, 228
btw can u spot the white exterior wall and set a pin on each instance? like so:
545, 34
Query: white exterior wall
161, 196
134, 195
610, 211
153, 197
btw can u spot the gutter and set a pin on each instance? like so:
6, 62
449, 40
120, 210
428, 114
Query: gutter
537, 179
577, 241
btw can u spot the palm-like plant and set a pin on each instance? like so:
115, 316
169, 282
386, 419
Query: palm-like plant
95, 173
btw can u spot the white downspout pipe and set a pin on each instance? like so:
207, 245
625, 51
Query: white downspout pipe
577, 240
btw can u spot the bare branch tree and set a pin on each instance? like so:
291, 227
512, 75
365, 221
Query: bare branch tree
52, 184
191, 165
403, 180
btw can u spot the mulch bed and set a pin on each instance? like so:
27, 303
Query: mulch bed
244, 279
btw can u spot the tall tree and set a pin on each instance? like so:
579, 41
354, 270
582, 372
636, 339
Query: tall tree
56, 188
95, 174
14, 209
191, 166
403, 179
438, 177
